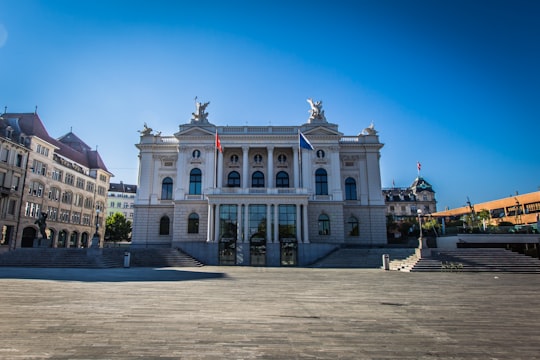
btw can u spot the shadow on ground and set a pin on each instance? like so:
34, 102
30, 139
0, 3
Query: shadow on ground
107, 275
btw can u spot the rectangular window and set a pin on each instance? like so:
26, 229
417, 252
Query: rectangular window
70, 179
80, 183
56, 175
19, 160
12, 206
287, 221
228, 221
4, 156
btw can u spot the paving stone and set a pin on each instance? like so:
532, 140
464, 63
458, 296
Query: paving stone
266, 313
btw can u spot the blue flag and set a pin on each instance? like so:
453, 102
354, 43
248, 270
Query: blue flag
304, 143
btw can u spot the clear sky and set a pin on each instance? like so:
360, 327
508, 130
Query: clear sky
453, 84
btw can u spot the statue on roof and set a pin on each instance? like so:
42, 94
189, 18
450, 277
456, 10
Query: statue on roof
200, 115
316, 111
146, 130
370, 130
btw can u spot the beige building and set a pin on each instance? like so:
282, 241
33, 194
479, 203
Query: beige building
259, 195
14, 151
65, 180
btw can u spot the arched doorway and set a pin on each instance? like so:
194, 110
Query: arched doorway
73, 239
28, 237
62, 237
84, 240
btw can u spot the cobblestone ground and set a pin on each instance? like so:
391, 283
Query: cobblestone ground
267, 313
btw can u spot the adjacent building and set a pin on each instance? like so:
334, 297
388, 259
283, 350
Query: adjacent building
58, 187
519, 209
404, 203
259, 195
121, 198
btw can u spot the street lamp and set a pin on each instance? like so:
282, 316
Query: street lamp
421, 241
97, 223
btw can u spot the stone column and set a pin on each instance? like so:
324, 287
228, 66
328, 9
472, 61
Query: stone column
239, 223
269, 223
276, 223
305, 220
296, 168
216, 223
209, 221
245, 163
270, 172
246, 223
220, 170
298, 224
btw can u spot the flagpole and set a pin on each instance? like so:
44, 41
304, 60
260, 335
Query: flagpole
300, 161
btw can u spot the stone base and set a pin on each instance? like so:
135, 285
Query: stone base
423, 252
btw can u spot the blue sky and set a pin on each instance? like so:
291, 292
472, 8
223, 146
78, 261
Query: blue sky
453, 84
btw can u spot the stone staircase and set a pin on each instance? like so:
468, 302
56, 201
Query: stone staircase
89, 258
366, 258
470, 260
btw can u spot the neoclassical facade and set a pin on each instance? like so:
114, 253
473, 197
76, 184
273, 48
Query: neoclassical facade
259, 195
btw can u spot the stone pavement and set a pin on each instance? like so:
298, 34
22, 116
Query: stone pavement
266, 313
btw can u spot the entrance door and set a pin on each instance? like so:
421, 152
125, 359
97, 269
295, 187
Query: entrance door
257, 251
289, 251
227, 251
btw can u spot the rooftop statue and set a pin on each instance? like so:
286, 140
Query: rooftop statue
200, 114
370, 130
146, 130
316, 111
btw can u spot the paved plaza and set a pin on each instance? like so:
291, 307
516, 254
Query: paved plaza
267, 313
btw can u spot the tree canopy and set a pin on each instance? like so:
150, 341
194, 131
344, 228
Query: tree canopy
117, 228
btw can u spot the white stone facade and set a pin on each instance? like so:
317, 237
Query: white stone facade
261, 192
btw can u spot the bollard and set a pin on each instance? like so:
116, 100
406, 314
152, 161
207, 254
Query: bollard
386, 262
127, 258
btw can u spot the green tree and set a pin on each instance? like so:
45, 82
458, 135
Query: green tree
117, 228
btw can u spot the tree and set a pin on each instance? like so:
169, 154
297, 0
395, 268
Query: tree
117, 228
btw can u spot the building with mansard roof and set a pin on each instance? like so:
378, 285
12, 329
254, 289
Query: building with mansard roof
259, 195
62, 178
403, 203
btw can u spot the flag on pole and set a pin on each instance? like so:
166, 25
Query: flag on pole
218, 143
304, 143
418, 166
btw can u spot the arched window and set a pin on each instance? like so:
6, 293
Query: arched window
350, 189
324, 224
164, 224
352, 226
282, 179
257, 179
193, 224
166, 189
321, 182
195, 180
233, 180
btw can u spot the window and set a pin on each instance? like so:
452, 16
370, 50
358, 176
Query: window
4, 155
282, 159
233, 180
350, 189
164, 224
282, 179
80, 183
352, 226
234, 159
19, 160
67, 197
257, 179
324, 225
195, 180
196, 154
321, 182
40, 168
166, 189
320, 154
56, 175
257, 158
69, 179
193, 223
35, 189
287, 221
